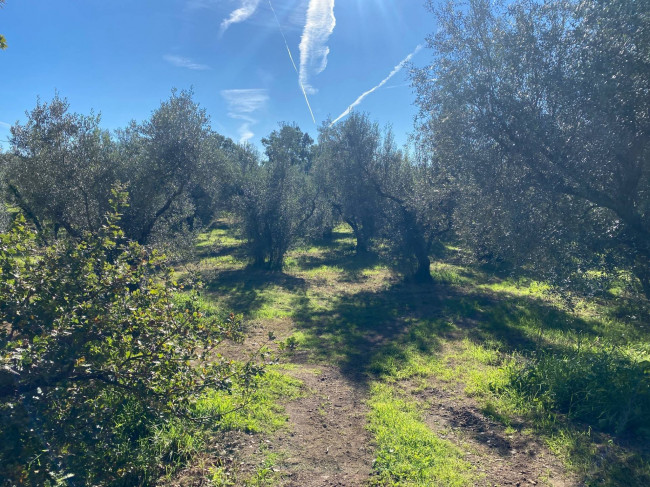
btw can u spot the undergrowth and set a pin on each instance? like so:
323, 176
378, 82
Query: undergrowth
408, 452
572, 371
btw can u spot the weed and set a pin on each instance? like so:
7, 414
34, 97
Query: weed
607, 387
262, 413
408, 452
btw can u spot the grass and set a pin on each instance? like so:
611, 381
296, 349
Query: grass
178, 442
263, 413
514, 346
408, 452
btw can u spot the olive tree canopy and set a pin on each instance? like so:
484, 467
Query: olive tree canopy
542, 110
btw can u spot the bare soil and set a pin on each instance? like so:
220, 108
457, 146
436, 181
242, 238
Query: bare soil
328, 444
514, 459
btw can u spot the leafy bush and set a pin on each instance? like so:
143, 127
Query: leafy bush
605, 387
98, 354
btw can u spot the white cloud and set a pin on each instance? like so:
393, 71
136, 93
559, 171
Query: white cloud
245, 132
183, 62
319, 26
245, 101
242, 104
293, 63
245, 11
5, 125
395, 70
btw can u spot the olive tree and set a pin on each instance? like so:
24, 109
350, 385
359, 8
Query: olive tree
62, 165
59, 169
161, 160
276, 198
347, 152
418, 203
540, 110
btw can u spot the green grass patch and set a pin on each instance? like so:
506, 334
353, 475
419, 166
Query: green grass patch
326, 272
443, 272
565, 398
263, 413
408, 452
276, 303
222, 236
413, 355
606, 387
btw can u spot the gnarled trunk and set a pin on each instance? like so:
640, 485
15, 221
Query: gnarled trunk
423, 271
644, 277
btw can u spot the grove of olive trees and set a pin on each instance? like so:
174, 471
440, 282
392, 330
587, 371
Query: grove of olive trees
530, 152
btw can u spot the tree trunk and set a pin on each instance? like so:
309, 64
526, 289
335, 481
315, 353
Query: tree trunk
362, 245
423, 272
362, 242
418, 244
644, 277
258, 259
148, 227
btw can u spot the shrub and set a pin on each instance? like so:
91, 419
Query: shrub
606, 387
97, 354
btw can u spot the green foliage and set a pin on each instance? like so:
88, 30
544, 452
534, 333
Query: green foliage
380, 191
62, 167
347, 152
97, 354
162, 160
419, 201
539, 110
277, 199
606, 387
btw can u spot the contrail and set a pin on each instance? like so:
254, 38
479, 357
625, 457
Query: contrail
293, 62
395, 70
319, 26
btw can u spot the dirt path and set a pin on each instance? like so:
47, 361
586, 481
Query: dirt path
326, 441
505, 459
328, 444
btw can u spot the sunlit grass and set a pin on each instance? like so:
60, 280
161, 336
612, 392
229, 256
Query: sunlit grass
222, 236
263, 412
276, 303
477, 342
326, 272
408, 452
443, 272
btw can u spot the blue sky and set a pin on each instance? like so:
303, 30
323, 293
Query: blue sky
121, 58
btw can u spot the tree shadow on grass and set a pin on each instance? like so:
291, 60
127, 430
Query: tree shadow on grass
351, 264
243, 290
221, 251
358, 328
372, 333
